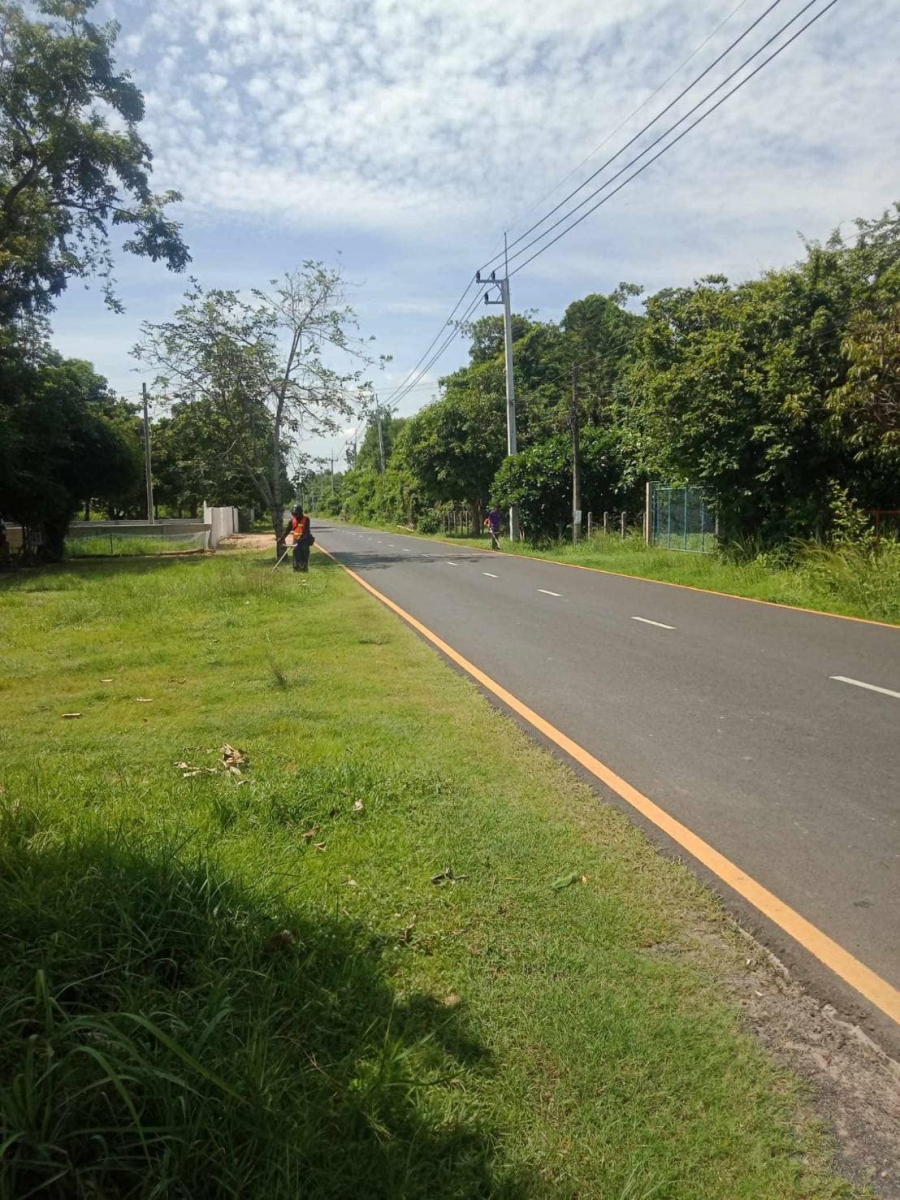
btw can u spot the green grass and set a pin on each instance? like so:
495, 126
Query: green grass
250, 986
103, 546
849, 580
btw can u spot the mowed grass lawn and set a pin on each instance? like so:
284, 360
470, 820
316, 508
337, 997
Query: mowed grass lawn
345, 971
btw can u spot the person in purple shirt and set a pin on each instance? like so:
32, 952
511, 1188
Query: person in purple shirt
492, 521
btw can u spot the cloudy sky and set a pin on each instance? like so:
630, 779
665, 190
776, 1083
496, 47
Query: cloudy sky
402, 137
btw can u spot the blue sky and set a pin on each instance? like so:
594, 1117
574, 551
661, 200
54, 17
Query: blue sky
404, 135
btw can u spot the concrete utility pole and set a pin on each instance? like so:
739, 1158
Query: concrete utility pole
576, 461
380, 434
511, 442
147, 474
332, 470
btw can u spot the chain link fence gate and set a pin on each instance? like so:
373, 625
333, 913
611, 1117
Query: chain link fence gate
680, 518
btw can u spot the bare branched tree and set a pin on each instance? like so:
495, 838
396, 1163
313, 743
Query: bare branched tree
275, 367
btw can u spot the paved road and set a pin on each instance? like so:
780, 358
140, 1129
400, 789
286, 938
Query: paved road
725, 713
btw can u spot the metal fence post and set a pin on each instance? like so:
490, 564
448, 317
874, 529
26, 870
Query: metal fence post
684, 531
590, 523
648, 493
623, 517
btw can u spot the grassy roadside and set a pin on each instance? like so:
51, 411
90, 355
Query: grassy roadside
403, 953
105, 546
849, 581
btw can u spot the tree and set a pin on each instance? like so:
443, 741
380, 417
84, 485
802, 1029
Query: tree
371, 446
488, 339
128, 498
867, 406
600, 335
260, 366
72, 164
539, 481
57, 448
189, 468
455, 445
729, 386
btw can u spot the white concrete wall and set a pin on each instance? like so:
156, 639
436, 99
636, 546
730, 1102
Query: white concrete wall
223, 522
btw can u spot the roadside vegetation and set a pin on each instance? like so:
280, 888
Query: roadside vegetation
103, 546
286, 908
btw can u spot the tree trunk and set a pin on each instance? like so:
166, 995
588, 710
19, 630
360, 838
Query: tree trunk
54, 545
277, 509
87, 510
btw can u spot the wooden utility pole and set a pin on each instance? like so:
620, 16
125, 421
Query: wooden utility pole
147, 472
576, 460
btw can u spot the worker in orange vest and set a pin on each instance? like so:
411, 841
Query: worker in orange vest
303, 538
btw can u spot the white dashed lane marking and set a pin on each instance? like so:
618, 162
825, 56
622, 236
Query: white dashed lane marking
870, 687
647, 621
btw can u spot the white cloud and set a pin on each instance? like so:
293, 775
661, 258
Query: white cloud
410, 116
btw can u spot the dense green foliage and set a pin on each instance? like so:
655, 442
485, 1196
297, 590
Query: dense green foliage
190, 468
539, 480
63, 441
775, 395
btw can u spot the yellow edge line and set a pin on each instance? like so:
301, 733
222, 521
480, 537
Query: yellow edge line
685, 587
860, 977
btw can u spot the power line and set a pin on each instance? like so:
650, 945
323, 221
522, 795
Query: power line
454, 310
671, 129
399, 395
693, 54
650, 124
674, 141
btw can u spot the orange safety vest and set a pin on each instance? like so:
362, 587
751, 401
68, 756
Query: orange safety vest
300, 528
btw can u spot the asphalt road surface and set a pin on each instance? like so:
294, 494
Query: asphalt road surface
771, 733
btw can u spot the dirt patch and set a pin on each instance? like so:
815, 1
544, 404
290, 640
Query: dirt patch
248, 541
855, 1084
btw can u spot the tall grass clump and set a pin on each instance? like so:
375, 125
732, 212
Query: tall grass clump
863, 578
102, 546
169, 1030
